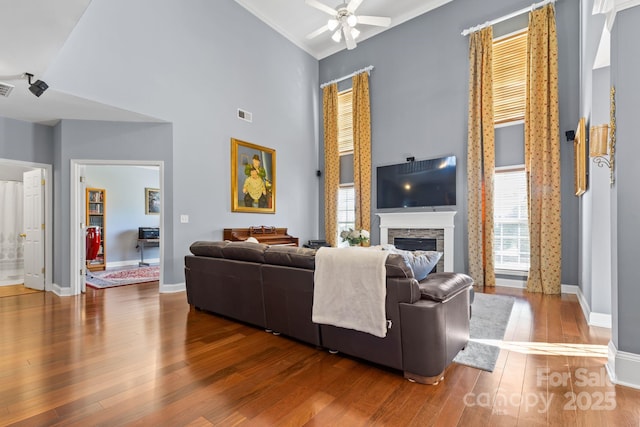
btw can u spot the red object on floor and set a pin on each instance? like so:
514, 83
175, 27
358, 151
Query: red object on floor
93, 242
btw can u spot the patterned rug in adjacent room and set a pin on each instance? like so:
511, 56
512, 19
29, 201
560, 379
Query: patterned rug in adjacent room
121, 277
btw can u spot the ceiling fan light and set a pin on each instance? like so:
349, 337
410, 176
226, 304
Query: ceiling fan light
355, 33
352, 20
332, 24
337, 36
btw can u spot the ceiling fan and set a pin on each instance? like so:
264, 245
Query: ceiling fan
343, 21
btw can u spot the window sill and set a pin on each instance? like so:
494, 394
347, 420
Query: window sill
514, 273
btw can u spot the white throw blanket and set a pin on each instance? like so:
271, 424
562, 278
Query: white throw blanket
350, 289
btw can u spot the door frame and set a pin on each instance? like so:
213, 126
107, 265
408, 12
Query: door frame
77, 260
48, 214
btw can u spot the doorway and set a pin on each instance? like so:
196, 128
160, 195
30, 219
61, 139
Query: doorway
13, 171
80, 174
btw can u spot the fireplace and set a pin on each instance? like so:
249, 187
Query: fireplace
415, 244
421, 225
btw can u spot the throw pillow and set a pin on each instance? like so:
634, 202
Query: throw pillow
421, 262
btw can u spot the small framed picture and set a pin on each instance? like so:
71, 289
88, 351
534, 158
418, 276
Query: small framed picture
253, 178
152, 201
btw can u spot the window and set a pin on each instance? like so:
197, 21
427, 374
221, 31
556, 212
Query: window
509, 77
511, 228
346, 209
346, 192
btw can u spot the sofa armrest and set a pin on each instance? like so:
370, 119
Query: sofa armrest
433, 333
405, 290
441, 287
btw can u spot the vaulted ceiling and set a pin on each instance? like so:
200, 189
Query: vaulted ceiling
34, 31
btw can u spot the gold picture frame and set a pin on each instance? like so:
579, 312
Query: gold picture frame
580, 158
253, 178
152, 201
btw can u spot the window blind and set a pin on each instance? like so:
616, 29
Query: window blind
509, 77
345, 122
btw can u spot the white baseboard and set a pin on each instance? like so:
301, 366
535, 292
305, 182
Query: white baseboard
60, 291
128, 263
601, 320
512, 283
177, 287
623, 368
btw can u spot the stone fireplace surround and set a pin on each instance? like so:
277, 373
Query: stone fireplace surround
438, 225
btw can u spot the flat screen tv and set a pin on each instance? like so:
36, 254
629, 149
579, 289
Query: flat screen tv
422, 183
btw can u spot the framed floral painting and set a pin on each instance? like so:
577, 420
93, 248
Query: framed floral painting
253, 178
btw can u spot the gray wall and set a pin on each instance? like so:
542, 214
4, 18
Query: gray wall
419, 101
27, 142
125, 210
90, 140
625, 69
194, 67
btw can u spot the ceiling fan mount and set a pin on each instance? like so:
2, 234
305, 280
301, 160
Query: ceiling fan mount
343, 21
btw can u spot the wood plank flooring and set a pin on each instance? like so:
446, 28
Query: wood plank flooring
13, 290
131, 356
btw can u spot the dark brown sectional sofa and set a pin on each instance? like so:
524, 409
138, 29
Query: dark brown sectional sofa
272, 287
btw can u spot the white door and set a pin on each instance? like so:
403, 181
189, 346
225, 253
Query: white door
34, 229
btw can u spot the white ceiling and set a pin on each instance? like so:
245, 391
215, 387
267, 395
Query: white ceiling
34, 31
294, 19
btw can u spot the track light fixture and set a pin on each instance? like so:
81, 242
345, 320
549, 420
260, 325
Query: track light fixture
38, 87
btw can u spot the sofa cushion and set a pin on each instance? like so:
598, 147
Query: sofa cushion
244, 251
442, 286
291, 256
205, 248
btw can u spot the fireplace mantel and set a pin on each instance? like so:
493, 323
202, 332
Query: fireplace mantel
421, 220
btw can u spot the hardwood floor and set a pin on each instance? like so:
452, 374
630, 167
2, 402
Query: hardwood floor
131, 356
13, 290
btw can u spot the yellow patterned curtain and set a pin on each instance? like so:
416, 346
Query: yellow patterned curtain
331, 162
362, 151
542, 152
481, 159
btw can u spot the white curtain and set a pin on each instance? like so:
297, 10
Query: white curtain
11, 244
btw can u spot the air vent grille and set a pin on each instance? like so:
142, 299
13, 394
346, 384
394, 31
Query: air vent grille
245, 115
5, 89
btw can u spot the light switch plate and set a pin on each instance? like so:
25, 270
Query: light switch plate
184, 219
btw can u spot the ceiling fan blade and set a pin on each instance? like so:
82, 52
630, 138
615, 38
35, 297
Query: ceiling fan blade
321, 6
379, 21
348, 38
317, 32
353, 5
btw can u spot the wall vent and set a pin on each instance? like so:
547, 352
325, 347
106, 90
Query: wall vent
5, 89
245, 115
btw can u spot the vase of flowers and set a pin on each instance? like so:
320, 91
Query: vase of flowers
355, 237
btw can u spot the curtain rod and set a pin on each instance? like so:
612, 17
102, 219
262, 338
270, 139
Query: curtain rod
505, 17
367, 69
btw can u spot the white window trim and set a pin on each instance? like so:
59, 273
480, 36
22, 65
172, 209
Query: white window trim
524, 273
507, 124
